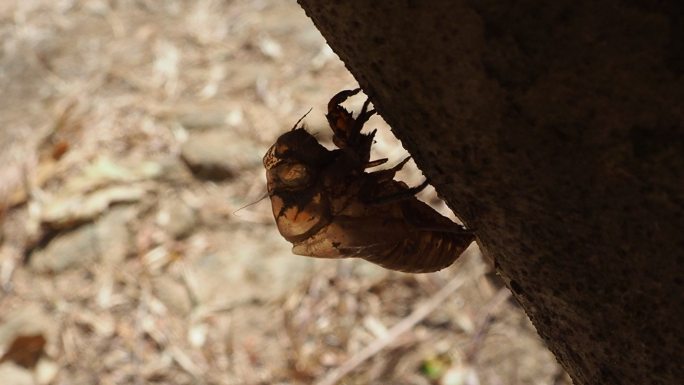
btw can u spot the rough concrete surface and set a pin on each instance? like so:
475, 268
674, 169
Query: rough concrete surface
555, 130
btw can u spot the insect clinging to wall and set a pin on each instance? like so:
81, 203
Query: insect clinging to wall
328, 206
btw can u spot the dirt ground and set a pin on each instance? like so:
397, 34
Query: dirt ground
131, 136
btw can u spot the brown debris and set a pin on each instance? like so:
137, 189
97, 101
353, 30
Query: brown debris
25, 350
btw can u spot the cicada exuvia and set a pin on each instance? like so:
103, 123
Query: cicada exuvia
328, 205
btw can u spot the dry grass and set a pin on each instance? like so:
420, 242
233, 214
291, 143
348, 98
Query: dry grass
97, 99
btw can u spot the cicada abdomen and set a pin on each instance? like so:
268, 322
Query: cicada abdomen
328, 206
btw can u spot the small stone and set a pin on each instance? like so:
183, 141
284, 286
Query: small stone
108, 238
172, 294
176, 218
27, 320
270, 48
173, 169
11, 373
114, 239
65, 211
46, 371
233, 275
75, 248
218, 154
197, 334
202, 120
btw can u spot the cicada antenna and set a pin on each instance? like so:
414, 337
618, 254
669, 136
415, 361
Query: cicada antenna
252, 203
300, 120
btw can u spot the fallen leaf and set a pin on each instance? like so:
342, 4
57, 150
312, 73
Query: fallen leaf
25, 350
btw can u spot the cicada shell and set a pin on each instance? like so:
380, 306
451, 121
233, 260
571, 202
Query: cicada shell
328, 206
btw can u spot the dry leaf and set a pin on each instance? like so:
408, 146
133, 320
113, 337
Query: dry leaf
25, 350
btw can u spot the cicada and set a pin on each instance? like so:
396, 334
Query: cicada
328, 205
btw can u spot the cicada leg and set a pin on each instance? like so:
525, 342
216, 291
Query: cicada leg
403, 195
341, 121
375, 163
340, 97
399, 165
346, 128
363, 117
388, 174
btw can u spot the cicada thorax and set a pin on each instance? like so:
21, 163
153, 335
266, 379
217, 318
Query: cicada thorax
328, 206
299, 219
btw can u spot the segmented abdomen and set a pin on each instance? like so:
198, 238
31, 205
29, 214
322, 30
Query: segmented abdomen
420, 251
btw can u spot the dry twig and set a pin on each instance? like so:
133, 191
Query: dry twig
397, 330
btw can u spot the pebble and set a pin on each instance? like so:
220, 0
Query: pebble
172, 294
13, 374
27, 320
46, 371
219, 154
176, 218
113, 236
238, 272
77, 247
107, 239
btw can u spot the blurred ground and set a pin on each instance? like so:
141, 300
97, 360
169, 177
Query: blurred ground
131, 132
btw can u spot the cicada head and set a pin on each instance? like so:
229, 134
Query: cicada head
293, 165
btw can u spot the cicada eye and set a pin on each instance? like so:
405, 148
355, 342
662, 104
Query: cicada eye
294, 174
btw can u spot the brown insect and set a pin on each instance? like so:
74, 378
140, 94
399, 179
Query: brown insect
328, 206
